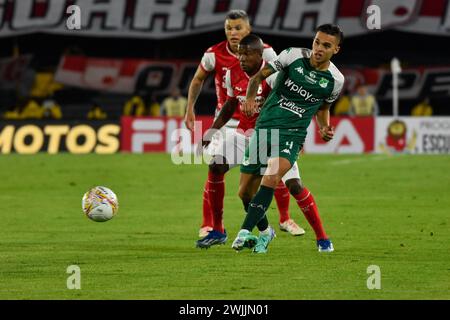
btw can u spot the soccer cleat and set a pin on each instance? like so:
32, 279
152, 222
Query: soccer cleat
263, 241
213, 237
291, 227
325, 245
203, 232
243, 240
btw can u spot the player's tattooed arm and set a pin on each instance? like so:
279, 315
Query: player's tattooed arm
249, 107
194, 91
323, 121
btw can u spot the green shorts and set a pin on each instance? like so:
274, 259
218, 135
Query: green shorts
269, 143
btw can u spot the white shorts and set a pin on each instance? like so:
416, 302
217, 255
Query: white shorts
293, 173
225, 133
232, 147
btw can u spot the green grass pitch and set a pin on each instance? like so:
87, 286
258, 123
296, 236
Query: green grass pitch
388, 211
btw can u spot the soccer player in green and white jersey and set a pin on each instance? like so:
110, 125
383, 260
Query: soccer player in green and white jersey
307, 84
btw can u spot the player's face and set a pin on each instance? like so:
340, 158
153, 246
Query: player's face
249, 59
324, 47
235, 30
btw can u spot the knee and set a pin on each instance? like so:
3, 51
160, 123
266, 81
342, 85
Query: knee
295, 186
218, 166
245, 195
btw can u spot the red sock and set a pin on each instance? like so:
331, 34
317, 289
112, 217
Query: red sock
216, 192
282, 197
207, 213
305, 201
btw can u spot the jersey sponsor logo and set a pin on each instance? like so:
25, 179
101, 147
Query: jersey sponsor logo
311, 78
291, 106
258, 99
308, 96
278, 65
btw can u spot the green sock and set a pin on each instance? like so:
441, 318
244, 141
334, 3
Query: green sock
263, 223
257, 209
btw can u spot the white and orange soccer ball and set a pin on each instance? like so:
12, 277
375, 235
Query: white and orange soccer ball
100, 204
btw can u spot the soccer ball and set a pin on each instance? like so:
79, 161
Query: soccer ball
100, 204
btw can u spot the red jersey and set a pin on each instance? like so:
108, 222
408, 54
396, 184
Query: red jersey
219, 58
236, 81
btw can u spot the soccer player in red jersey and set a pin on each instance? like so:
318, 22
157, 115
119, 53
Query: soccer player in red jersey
219, 58
231, 152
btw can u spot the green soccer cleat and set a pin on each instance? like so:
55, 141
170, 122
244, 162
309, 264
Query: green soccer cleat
263, 241
243, 240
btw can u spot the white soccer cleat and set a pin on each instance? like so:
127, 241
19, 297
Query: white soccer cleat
204, 231
291, 227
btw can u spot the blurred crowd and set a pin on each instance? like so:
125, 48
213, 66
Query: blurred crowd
42, 103
362, 103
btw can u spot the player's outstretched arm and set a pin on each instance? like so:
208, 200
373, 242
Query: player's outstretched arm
323, 121
249, 106
194, 91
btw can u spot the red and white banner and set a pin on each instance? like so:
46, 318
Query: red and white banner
128, 75
414, 82
167, 19
413, 135
133, 75
161, 134
352, 135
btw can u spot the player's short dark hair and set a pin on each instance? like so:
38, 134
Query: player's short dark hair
237, 14
332, 30
252, 41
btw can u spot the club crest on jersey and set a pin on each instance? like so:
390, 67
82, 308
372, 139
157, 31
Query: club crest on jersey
323, 82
